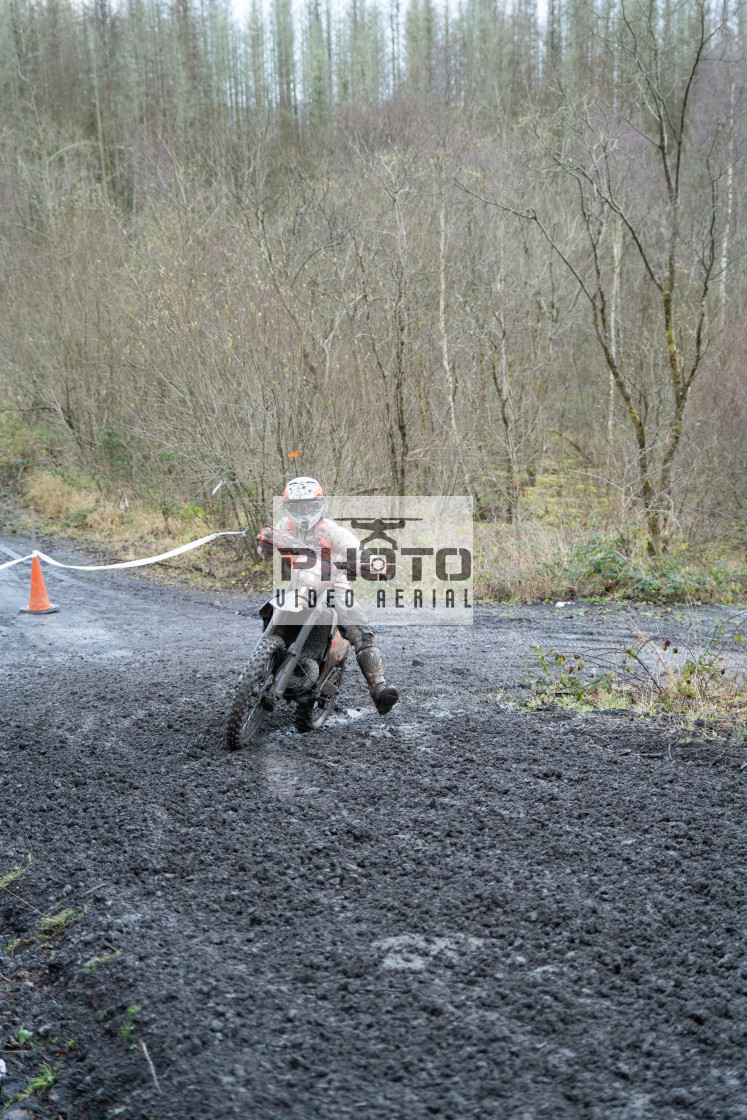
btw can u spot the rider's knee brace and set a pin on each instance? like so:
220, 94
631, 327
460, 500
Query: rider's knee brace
360, 637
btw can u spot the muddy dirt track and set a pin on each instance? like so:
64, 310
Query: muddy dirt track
459, 910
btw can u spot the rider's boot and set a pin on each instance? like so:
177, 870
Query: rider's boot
384, 695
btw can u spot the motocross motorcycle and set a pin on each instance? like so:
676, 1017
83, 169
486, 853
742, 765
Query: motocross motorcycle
299, 658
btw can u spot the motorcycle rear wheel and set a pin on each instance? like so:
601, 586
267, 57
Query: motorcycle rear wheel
247, 712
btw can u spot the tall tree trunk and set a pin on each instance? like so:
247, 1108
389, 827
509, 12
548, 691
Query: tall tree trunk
502, 381
724, 263
442, 312
614, 303
97, 101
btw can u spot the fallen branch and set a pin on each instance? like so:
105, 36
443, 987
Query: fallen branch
151, 1067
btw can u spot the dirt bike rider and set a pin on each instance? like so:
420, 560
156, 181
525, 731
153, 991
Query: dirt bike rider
306, 521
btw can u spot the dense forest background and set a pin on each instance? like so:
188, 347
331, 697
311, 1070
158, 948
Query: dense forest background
454, 249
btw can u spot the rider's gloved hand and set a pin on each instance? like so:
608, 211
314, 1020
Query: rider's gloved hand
265, 542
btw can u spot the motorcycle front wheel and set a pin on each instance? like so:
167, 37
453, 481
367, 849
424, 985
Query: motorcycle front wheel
312, 714
247, 712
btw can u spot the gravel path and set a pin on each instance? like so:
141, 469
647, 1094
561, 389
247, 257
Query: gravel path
461, 910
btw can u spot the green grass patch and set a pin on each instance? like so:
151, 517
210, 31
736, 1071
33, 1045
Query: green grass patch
23, 446
128, 1023
546, 562
94, 962
52, 925
608, 565
37, 1085
11, 876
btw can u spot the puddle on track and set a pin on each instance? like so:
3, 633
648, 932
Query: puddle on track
288, 776
413, 952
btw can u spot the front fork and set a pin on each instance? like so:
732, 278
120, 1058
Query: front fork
293, 656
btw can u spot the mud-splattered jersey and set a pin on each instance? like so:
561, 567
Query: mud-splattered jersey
325, 534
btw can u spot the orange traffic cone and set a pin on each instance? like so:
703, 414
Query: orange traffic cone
39, 601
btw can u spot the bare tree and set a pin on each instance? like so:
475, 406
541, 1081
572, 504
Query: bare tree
655, 171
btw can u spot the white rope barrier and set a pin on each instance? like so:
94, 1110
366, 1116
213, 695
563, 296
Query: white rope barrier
18, 560
125, 563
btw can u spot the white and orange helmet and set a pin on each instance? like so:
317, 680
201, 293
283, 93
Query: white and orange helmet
304, 502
